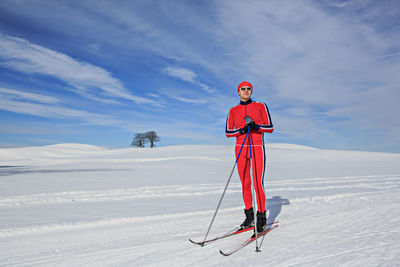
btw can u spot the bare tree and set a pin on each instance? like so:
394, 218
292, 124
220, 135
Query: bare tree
139, 140
152, 137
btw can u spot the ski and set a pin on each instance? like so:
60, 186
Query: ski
228, 234
248, 241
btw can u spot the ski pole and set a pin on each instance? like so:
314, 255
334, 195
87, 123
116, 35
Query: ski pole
254, 193
226, 186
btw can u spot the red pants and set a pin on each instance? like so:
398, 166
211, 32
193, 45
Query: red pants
258, 164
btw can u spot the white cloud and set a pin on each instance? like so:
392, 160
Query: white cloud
187, 76
29, 96
207, 88
9, 103
181, 73
22, 56
184, 95
188, 100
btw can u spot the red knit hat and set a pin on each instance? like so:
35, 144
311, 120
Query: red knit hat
244, 83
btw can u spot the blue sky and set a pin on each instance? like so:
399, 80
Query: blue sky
97, 72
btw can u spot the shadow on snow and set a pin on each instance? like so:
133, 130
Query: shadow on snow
274, 207
13, 170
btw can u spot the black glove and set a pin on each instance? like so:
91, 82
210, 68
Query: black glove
254, 126
244, 130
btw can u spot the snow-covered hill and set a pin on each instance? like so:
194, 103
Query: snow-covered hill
74, 205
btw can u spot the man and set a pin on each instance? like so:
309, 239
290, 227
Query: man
259, 124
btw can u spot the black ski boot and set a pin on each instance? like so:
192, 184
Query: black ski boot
249, 221
261, 222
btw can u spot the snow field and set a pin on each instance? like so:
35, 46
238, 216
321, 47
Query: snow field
75, 205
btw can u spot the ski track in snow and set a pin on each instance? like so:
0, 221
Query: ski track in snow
373, 182
62, 227
382, 182
324, 221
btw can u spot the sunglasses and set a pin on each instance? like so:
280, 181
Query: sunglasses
245, 88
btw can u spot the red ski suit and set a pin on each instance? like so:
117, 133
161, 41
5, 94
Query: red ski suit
235, 121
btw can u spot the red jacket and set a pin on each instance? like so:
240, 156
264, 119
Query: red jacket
260, 115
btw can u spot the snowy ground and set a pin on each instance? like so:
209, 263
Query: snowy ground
74, 205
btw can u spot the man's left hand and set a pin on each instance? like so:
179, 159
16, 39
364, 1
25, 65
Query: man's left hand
254, 126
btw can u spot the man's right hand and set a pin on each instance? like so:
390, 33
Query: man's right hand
244, 130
